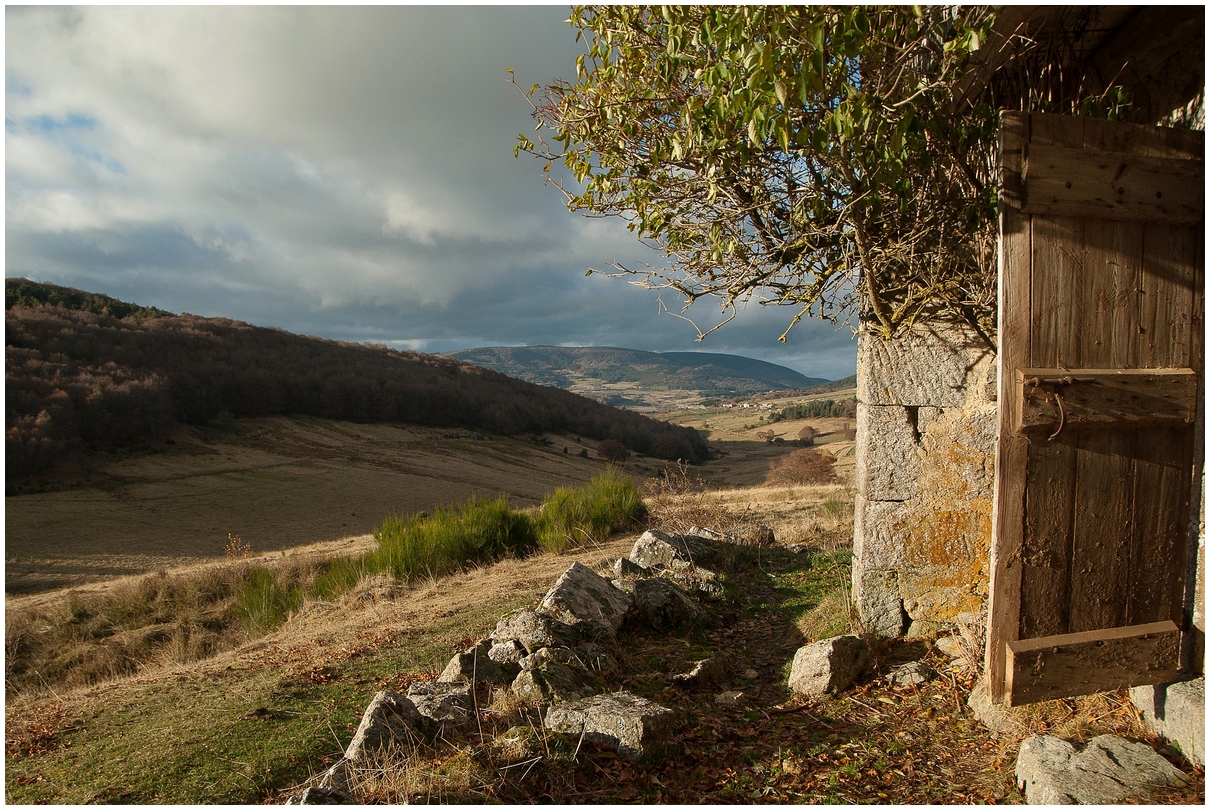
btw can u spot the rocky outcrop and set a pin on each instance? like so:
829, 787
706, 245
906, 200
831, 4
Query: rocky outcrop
1109, 770
829, 666
533, 631
476, 666
639, 729
444, 703
391, 719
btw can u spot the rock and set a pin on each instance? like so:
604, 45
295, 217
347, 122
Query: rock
507, 652
553, 675
391, 719
912, 673
694, 578
876, 595
950, 646
1176, 712
476, 666
798, 548
533, 630
829, 666
656, 549
586, 601
711, 670
625, 569
443, 702
663, 605
323, 795
1000, 720
1108, 771
731, 700
639, 729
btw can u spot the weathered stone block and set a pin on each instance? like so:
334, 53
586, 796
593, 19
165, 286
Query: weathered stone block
588, 602
1108, 770
1177, 712
553, 675
876, 595
443, 703
890, 467
639, 729
829, 666
932, 364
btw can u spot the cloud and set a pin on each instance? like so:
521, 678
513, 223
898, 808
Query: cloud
346, 172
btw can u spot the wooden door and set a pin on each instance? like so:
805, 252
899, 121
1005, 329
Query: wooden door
1101, 313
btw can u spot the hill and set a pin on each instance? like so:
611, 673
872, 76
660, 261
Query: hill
81, 377
638, 378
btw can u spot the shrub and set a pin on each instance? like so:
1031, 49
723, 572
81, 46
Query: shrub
480, 531
577, 517
612, 450
806, 436
803, 467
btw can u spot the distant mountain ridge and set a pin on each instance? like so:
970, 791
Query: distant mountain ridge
576, 368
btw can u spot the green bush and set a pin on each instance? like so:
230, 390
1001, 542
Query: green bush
264, 602
572, 518
480, 531
337, 576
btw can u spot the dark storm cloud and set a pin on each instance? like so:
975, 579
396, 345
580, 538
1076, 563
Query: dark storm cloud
346, 172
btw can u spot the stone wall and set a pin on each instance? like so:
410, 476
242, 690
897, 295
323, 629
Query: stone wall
926, 437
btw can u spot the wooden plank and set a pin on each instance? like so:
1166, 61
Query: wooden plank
1014, 257
1167, 312
1056, 268
1158, 543
1105, 398
1101, 528
1046, 545
1100, 660
1067, 182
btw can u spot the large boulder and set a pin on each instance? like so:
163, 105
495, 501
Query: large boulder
476, 666
1177, 712
391, 720
829, 666
639, 729
533, 630
662, 605
1108, 770
586, 601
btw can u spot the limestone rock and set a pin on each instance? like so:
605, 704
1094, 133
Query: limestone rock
533, 630
1177, 712
1108, 770
663, 605
912, 673
829, 666
476, 666
694, 578
949, 646
582, 599
443, 702
639, 729
625, 569
506, 652
390, 719
731, 700
656, 549
323, 795
553, 675
710, 670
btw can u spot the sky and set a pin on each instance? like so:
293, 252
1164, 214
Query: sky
340, 172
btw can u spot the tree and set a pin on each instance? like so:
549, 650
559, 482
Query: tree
824, 157
807, 435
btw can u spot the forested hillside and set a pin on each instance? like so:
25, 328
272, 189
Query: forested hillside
89, 372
